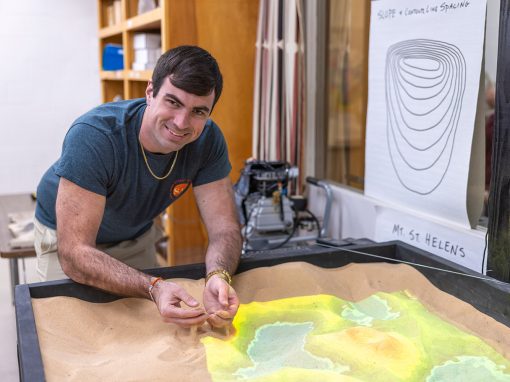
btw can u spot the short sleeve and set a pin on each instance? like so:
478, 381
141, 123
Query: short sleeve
215, 164
87, 158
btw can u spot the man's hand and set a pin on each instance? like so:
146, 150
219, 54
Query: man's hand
215, 201
220, 301
168, 297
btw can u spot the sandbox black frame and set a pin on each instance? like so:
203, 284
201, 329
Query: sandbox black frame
488, 296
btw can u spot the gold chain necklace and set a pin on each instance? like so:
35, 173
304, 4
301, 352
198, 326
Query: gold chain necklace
149, 167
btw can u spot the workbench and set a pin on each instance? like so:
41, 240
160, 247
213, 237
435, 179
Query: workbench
9, 204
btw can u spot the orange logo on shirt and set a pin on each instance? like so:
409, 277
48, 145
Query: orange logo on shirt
179, 187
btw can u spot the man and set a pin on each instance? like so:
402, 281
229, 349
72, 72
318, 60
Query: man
122, 164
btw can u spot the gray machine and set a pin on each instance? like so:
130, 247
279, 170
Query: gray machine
271, 217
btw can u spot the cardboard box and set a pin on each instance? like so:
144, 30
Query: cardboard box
147, 56
117, 11
110, 17
146, 41
142, 66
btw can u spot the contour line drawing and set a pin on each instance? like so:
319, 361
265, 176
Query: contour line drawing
425, 81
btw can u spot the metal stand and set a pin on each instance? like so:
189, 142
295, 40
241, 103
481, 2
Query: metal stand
13, 268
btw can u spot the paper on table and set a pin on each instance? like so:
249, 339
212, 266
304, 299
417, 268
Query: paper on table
21, 228
424, 78
25, 240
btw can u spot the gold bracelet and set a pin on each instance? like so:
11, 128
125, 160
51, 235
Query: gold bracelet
221, 273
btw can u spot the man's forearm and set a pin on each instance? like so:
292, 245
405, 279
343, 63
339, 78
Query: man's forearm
224, 251
90, 266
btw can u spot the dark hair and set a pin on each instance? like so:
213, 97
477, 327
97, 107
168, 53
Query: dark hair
191, 69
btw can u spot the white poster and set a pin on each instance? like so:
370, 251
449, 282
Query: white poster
441, 240
425, 63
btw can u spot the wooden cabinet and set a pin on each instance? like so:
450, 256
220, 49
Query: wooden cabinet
227, 29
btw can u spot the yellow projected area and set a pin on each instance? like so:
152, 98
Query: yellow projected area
386, 337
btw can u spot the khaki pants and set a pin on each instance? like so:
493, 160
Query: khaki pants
138, 253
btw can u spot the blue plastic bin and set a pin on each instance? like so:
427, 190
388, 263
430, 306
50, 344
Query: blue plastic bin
113, 57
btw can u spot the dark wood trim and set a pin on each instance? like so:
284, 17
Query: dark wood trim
498, 262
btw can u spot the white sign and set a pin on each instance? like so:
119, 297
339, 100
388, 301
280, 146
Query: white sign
425, 63
466, 248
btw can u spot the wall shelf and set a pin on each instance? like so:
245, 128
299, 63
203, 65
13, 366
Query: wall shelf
111, 75
139, 75
111, 31
127, 83
145, 21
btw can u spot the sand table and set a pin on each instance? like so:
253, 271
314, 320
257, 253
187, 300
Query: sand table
127, 340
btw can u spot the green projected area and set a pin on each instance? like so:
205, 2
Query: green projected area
386, 337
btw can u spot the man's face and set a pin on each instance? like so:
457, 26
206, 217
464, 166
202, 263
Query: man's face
174, 117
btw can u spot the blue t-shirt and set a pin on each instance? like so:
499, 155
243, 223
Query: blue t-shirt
101, 153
